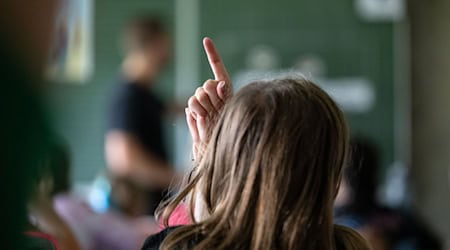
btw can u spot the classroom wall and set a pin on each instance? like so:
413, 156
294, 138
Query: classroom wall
430, 29
349, 45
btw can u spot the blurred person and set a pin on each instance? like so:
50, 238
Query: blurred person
70, 213
357, 207
134, 145
44, 220
269, 161
25, 39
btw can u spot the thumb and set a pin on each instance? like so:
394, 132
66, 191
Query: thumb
224, 90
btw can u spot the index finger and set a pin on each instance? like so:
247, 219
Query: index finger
217, 66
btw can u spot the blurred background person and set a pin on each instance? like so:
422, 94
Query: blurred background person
66, 215
135, 150
44, 220
357, 206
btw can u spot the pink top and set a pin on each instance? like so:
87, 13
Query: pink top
180, 216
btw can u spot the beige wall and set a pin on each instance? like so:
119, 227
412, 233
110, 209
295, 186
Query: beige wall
430, 33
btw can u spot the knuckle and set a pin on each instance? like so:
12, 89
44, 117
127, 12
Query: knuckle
202, 97
201, 112
198, 90
191, 101
210, 86
209, 82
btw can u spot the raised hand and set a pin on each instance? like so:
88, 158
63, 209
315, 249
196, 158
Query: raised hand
208, 100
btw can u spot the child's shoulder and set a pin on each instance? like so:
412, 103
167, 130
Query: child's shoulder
153, 242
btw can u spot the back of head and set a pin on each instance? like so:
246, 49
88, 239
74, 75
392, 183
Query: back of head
142, 32
147, 49
271, 170
361, 176
59, 167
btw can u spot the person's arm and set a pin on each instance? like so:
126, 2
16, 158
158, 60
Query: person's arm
48, 221
126, 157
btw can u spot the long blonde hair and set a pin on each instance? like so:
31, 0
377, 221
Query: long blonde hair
269, 174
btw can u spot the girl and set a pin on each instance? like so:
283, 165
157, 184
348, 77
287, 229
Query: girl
268, 168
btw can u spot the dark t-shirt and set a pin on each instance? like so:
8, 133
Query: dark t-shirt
153, 242
134, 109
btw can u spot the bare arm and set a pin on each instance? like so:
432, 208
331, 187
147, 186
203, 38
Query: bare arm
126, 157
48, 221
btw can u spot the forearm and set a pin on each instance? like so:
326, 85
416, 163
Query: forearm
150, 172
127, 158
49, 222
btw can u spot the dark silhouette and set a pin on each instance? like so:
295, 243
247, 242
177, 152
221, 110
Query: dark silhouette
357, 206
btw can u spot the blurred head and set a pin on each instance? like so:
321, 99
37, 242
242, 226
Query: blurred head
59, 167
359, 182
270, 172
146, 40
54, 171
28, 30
